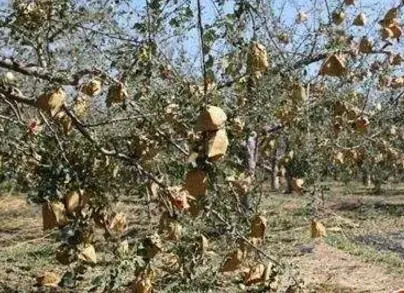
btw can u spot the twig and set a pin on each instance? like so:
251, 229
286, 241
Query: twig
101, 123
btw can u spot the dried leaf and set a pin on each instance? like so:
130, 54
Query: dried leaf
258, 59
397, 82
179, 197
259, 226
52, 102
333, 66
143, 284
153, 188
92, 88
53, 215
386, 33
168, 262
66, 122
353, 113
174, 231
212, 118
284, 38
152, 245
349, 2
242, 184
217, 145
338, 158
255, 275
9, 77
118, 223
365, 46
48, 279
86, 252
196, 182
299, 93
123, 248
390, 18
81, 106
361, 123
396, 30
64, 255
232, 261
203, 244
334, 229
338, 17
34, 127
396, 59
317, 229
360, 19
301, 17
75, 201
297, 185
339, 108
116, 94
239, 125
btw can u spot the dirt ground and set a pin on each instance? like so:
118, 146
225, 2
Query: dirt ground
362, 252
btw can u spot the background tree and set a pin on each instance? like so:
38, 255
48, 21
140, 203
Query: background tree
104, 101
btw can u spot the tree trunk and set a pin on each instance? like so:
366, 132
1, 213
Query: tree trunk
251, 147
275, 184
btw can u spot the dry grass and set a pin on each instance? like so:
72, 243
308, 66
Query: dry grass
361, 253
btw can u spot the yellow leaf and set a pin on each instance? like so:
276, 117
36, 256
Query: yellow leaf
66, 122
338, 158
